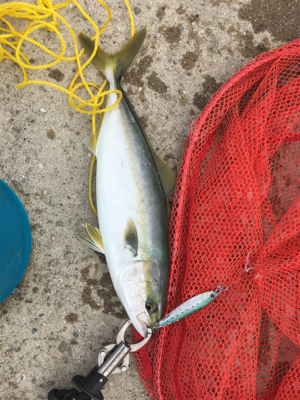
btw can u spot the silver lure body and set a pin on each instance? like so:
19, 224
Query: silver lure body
188, 307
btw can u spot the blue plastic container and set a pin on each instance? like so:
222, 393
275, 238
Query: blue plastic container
15, 240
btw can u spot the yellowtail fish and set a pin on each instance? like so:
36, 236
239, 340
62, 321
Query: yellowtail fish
131, 187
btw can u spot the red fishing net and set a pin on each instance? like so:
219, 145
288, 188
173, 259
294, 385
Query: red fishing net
237, 196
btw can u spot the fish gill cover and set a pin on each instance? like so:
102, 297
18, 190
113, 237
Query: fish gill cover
236, 222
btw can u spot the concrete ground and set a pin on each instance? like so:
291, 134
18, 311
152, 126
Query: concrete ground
65, 307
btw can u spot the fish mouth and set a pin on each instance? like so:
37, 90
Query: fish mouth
144, 324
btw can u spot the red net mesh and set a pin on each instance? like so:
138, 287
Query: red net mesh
237, 196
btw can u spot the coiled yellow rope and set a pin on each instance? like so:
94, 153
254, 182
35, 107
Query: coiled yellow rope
11, 41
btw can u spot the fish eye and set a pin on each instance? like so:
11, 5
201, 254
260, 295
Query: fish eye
151, 306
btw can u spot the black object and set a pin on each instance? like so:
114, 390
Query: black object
111, 358
67, 394
90, 387
92, 384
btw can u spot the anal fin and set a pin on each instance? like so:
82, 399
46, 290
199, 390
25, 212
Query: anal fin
91, 143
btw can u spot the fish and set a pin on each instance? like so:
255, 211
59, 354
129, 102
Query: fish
132, 183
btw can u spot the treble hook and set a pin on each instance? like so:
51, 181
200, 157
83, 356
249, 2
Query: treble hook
247, 263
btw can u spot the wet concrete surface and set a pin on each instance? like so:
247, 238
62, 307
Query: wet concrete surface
65, 308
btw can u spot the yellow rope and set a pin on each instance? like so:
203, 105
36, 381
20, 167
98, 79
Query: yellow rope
11, 41
130, 16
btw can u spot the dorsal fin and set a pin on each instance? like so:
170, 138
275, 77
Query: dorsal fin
131, 237
167, 176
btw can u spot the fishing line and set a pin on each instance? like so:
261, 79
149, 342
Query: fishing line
11, 41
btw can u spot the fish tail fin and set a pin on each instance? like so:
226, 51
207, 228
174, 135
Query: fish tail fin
116, 63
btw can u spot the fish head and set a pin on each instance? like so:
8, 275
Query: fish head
140, 289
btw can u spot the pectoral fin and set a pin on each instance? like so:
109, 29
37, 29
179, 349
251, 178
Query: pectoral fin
131, 237
92, 239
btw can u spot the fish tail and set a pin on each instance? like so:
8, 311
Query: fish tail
114, 64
